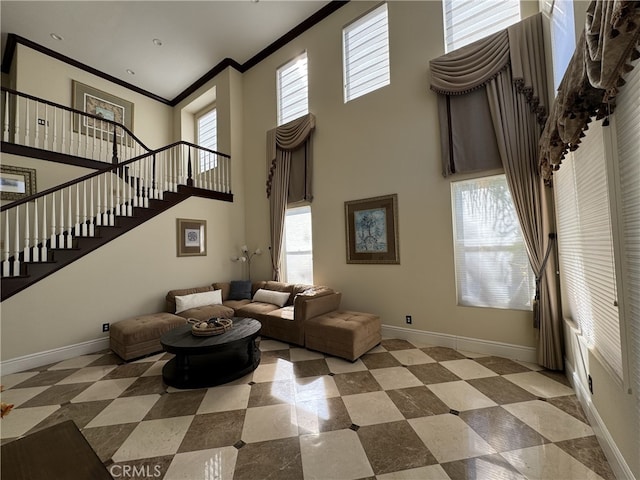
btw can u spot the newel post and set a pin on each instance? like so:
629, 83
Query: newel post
189, 170
114, 158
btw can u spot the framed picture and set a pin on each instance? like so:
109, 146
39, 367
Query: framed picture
192, 237
102, 104
372, 230
16, 182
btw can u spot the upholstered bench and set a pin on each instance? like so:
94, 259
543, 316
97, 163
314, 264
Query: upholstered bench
139, 336
342, 333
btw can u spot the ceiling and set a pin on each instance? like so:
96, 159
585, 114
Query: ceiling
117, 36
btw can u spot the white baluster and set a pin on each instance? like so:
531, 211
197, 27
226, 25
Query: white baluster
54, 236
69, 222
61, 242
98, 200
55, 130
26, 253
84, 231
36, 238
76, 229
63, 144
44, 256
105, 205
118, 198
92, 218
6, 266
36, 142
46, 127
17, 126
16, 251
78, 133
5, 130
111, 206
26, 123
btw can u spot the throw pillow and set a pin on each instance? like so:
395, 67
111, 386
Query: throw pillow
271, 296
187, 302
240, 290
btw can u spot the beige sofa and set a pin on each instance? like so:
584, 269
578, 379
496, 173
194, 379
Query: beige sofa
286, 323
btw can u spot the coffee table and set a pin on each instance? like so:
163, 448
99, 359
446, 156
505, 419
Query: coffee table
208, 361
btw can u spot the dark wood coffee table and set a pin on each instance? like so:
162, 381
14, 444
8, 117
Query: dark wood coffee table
207, 361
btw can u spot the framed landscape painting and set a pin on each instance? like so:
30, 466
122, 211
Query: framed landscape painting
101, 104
16, 182
191, 237
372, 230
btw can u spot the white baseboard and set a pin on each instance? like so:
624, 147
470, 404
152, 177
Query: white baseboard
487, 347
614, 456
35, 360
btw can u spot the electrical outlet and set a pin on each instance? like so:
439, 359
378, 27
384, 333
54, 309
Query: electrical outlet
408, 319
105, 327
43, 122
590, 384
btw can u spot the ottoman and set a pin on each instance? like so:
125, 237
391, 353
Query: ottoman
139, 336
343, 333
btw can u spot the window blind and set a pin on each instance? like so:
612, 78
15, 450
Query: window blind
585, 246
293, 90
466, 21
366, 54
208, 138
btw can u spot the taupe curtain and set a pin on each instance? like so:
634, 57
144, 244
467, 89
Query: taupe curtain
590, 84
503, 78
289, 179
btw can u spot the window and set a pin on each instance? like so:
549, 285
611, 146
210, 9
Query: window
563, 38
298, 245
293, 90
466, 21
492, 267
207, 135
365, 45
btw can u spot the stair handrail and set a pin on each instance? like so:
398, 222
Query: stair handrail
73, 110
110, 168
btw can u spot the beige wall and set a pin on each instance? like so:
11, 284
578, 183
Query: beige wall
129, 276
382, 143
44, 77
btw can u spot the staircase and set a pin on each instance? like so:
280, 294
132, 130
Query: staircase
46, 231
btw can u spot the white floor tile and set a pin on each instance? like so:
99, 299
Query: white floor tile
124, 410
412, 357
21, 420
14, 379
468, 369
88, 374
548, 461
539, 385
301, 354
213, 464
461, 396
310, 388
77, 362
432, 472
154, 438
225, 398
449, 438
549, 421
371, 408
270, 372
18, 396
337, 365
393, 378
334, 455
155, 369
104, 390
269, 423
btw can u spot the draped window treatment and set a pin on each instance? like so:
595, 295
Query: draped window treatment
289, 180
492, 105
593, 76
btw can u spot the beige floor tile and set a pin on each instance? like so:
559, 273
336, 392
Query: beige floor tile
468, 369
14, 379
548, 461
412, 357
280, 370
104, 390
21, 420
539, 385
269, 423
124, 410
18, 396
337, 365
151, 358
531, 366
461, 396
309, 388
334, 455
377, 349
449, 438
87, 374
77, 362
549, 421
155, 369
301, 354
225, 398
154, 438
394, 378
431, 472
212, 464
371, 408
469, 354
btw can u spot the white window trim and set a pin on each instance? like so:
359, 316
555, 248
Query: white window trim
197, 116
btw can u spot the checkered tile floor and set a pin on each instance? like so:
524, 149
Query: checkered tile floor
400, 412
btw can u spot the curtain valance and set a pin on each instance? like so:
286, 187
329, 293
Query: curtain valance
592, 78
